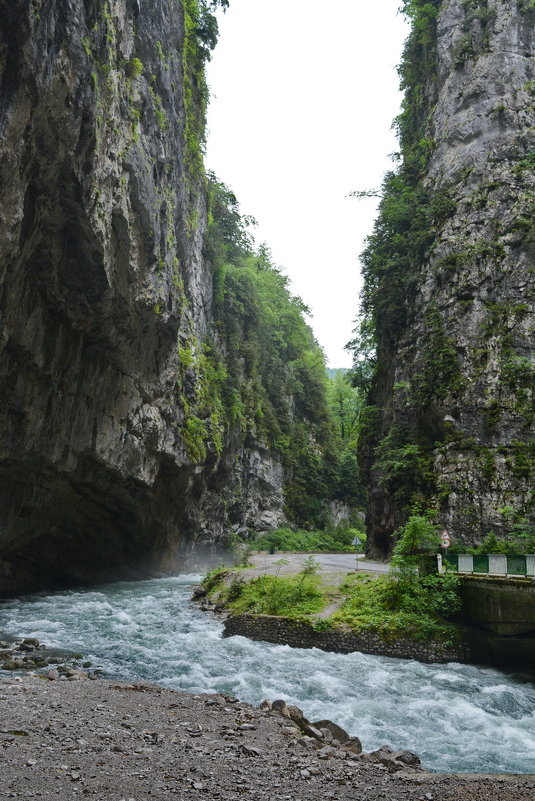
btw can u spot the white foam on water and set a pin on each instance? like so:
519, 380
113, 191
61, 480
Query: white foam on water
456, 717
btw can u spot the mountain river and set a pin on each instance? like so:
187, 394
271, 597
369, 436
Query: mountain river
455, 717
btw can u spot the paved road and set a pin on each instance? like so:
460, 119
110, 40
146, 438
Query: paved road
330, 562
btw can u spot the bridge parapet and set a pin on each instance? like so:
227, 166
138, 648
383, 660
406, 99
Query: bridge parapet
494, 564
504, 606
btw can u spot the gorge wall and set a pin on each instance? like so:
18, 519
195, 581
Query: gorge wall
450, 281
133, 401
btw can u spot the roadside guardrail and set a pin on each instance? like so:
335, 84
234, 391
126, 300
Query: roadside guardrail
493, 564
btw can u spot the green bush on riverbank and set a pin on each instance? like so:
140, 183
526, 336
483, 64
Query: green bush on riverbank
291, 597
284, 539
390, 606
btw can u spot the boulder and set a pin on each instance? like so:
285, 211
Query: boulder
354, 745
280, 707
333, 730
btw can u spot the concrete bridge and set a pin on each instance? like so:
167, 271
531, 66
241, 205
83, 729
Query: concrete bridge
499, 614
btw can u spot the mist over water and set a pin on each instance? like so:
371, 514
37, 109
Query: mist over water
455, 717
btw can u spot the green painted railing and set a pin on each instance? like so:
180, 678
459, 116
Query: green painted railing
494, 564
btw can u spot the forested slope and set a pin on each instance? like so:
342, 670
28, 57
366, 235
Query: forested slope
446, 345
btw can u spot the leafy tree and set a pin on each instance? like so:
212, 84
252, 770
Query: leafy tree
418, 536
275, 386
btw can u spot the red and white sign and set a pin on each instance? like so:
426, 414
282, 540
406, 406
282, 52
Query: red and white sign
445, 537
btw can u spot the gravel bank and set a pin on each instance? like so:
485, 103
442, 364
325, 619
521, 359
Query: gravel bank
119, 742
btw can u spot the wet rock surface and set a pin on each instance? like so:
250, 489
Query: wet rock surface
103, 283
30, 655
132, 742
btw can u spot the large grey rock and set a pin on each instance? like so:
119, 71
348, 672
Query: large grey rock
102, 284
478, 280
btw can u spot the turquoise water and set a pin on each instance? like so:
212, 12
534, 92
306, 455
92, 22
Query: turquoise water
456, 717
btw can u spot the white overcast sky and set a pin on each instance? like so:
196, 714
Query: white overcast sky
303, 93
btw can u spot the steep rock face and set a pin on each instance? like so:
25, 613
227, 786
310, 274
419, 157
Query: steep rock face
103, 290
454, 395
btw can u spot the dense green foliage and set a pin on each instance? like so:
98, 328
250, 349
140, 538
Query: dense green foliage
291, 597
417, 537
284, 539
274, 387
391, 607
201, 32
412, 600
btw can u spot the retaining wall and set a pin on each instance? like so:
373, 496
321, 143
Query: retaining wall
302, 635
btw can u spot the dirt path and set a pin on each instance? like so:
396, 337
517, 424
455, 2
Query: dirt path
286, 564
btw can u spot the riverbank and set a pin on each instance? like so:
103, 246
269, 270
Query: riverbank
374, 630
456, 718
135, 742
275, 600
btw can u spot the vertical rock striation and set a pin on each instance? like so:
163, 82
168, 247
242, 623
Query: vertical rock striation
451, 416
106, 300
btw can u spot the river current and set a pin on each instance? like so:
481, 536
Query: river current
455, 717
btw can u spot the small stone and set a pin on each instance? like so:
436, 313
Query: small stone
353, 744
296, 714
335, 731
251, 750
326, 752
12, 665
31, 762
312, 732
306, 742
407, 757
290, 731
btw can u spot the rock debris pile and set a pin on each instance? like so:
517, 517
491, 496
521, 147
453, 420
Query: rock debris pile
29, 654
137, 742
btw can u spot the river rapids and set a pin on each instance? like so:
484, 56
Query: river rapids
457, 718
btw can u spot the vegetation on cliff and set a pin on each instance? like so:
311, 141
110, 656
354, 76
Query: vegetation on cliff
443, 349
268, 375
257, 378
409, 214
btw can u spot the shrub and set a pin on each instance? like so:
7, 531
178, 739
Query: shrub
272, 595
284, 539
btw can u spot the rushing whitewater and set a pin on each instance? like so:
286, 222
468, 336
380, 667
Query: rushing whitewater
456, 717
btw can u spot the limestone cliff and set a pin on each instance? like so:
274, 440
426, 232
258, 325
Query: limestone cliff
115, 456
451, 281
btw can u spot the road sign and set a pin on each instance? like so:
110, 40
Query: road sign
445, 537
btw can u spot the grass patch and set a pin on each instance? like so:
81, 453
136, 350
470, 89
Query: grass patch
291, 597
391, 608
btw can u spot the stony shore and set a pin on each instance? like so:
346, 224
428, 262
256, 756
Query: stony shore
123, 742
